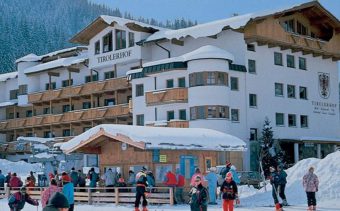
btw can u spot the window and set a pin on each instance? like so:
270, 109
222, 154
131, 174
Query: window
110, 74
183, 114
29, 113
67, 108
223, 112
46, 110
139, 90
251, 66
211, 111
208, 78
66, 83
47, 134
290, 61
170, 83
131, 39
53, 86
86, 129
201, 112
181, 82
18, 115
86, 105
234, 115
304, 121
250, 47
222, 79
291, 120
302, 63
170, 115
13, 94
88, 78
252, 100
140, 119
109, 102
233, 83
211, 79
278, 58
193, 113
291, 91
97, 47
107, 42
204, 112
279, 117
22, 89
29, 134
278, 89
289, 25
67, 132
120, 39
301, 29
11, 116
253, 134
303, 92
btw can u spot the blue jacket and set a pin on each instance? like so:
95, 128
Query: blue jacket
68, 191
212, 179
282, 177
235, 176
93, 176
2, 180
74, 178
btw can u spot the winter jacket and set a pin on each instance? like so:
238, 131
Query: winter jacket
151, 180
68, 191
212, 179
17, 201
81, 180
180, 181
193, 178
33, 179
15, 182
198, 198
109, 178
46, 195
74, 178
235, 176
93, 176
170, 179
224, 171
2, 180
229, 190
274, 178
310, 182
141, 179
282, 177
132, 179
58, 200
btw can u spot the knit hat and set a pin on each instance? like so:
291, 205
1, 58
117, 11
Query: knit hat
229, 175
58, 200
65, 178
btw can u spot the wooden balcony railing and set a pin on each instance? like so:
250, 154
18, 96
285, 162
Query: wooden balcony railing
172, 123
175, 95
81, 90
68, 117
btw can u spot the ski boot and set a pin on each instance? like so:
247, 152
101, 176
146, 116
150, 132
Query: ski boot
278, 207
284, 202
145, 209
137, 209
310, 208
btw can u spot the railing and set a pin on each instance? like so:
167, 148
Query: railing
172, 123
79, 90
175, 95
14, 148
117, 195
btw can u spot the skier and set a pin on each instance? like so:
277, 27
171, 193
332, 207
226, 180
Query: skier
197, 174
68, 189
274, 181
311, 185
33, 179
229, 193
74, 177
93, 177
58, 202
15, 182
151, 180
282, 185
110, 179
132, 178
8, 178
2, 180
212, 178
225, 169
141, 189
198, 196
17, 201
47, 193
81, 181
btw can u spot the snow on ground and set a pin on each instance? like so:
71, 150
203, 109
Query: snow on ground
21, 168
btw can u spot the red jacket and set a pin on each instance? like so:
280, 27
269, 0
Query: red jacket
171, 179
180, 180
15, 182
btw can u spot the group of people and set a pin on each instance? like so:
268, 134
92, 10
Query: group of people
14, 181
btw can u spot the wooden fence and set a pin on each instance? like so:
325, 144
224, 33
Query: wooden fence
117, 195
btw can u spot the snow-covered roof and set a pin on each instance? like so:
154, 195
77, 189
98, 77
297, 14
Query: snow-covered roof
5, 104
160, 138
29, 58
43, 155
208, 52
35, 139
63, 62
125, 22
54, 53
7, 76
164, 61
134, 71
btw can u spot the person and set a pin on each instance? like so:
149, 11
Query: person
58, 202
32, 178
56, 177
282, 185
74, 177
121, 183
17, 201
8, 178
234, 174
193, 178
68, 189
179, 187
198, 196
81, 181
47, 193
274, 181
29, 182
310, 183
132, 178
151, 180
15, 182
229, 193
110, 179
93, 177
141, 190
225, 169
2, 180
212, 178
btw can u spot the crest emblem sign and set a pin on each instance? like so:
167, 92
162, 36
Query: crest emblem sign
324, 88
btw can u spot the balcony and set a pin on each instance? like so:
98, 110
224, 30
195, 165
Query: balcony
81, 90
167, 96
172, 123
66, 118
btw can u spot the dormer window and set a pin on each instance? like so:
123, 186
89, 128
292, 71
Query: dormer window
97, 47
301, 29
120, 39
131, 39
107, 42
289, 25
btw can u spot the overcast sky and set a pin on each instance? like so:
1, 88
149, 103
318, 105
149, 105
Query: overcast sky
205, 10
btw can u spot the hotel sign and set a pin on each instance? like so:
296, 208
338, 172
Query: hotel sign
324, 88
114, 56
324, 108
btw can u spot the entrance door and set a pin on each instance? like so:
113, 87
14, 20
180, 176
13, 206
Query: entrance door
188, 163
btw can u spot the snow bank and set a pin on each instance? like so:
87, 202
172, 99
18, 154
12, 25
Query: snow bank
328, 171
21, 168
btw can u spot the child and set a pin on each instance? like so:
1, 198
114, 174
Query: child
229, 193
17, 201
198, 196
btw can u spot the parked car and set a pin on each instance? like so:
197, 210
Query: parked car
246, 177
